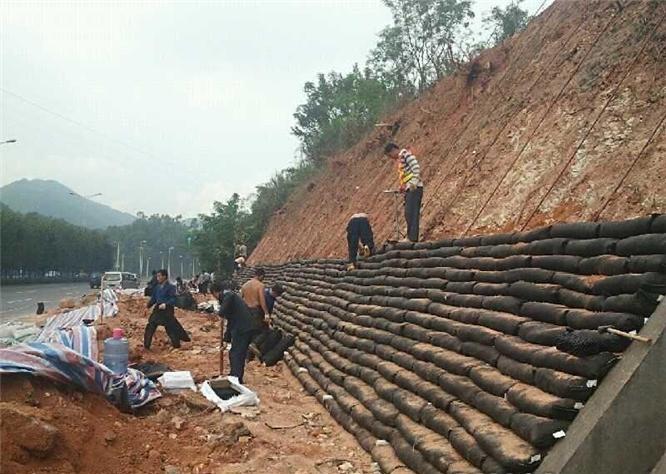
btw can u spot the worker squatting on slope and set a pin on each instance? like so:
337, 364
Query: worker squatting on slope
359, 238
409, 175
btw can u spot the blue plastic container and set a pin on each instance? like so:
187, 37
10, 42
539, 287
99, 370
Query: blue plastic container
116, 352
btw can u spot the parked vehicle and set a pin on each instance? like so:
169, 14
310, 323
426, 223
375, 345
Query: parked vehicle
121, 280
95, 280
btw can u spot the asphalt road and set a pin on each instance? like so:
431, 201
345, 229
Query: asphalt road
18, 301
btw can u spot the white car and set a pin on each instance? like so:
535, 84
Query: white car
120, 280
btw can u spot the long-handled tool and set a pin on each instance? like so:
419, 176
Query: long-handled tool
396, 204
223, 346
617, 332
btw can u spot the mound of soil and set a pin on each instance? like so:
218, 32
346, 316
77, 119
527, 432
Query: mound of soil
48, 427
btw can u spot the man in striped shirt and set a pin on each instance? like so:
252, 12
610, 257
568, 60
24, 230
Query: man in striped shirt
409, 174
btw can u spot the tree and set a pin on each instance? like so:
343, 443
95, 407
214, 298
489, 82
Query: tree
423, 44
339, 109
506, 22
215, 240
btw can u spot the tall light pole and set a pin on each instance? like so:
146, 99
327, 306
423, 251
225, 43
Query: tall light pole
194, 259
117, 255
147, 266
181, 266
141, 257
169, 261
162, 259
122, 263
12, 140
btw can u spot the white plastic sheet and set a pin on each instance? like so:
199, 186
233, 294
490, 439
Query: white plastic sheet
245, 397
177, 380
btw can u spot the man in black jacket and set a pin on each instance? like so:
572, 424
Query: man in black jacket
243, 323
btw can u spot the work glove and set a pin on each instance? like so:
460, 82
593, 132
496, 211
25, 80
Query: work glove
162, 306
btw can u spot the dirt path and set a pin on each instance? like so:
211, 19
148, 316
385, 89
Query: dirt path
46, 428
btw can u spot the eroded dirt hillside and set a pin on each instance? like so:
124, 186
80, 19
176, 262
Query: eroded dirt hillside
563, 122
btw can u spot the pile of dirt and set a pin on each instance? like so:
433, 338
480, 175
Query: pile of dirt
563, 122
48, 427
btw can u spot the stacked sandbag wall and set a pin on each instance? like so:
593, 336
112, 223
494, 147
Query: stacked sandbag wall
464, 355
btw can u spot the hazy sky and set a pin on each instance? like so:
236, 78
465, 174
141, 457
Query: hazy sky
168, 106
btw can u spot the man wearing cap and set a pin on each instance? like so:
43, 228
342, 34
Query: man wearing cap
409, 175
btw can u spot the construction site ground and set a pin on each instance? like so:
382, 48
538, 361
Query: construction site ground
47, 427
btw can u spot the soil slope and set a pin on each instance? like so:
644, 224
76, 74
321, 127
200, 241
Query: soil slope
563, 122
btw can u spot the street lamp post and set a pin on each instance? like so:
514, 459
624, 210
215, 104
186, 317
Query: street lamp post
141, 257
147, 266
85, 204
169, 261
122, 263
181, 266
161, 259
117, 255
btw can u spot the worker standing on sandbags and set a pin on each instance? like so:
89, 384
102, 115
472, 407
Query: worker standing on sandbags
163, 301
409, 175
243, 323
359, 237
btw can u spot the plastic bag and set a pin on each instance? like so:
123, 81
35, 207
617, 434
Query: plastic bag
245, 397
177, 380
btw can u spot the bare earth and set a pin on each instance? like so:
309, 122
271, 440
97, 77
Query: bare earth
291, 433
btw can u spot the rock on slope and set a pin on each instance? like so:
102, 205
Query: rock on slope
563, 122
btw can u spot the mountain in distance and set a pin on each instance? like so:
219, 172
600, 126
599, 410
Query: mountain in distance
53, 199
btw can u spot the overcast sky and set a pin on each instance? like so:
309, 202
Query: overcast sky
167, 106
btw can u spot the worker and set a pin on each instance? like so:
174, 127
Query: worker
409, 175
359, 237
254, 296
243, 323
163, 301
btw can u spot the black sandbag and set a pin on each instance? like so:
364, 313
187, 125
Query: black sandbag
445, 340
537, 430
647, 263
386, 458
658, 224
530, 399
422, 319
416, 332
506, 304
634, 303
547, 247
409, 403
463, 287
466, 315
574, 299
571, 281
539, 233
469, 301
459, 386
546, 293
625, 228
490, 289
490, 276
480, 334
584, 319
575, 230
481, 351
412, 457
507, 448
472, 241
434, 395
561, 263
453, 274
403, 359
384, 411
534, 275
515, 261
497, 239
590, 247
467, 446
517, 370
438, 420
277, 352
270, 340
646, 244
545, 312
504, 250
491, 380
495, 407
563, 384
544, 334
604, 265
434, 283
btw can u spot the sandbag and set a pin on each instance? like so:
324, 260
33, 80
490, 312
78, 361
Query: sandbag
574, 299
625, 228
583, 342
544, 334
537, 430
560, 263
647, 263
583, 319
575, 230
530, 399
590, 247
547, 247
276, 353
646, 244
563, 384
